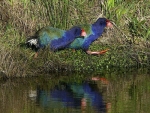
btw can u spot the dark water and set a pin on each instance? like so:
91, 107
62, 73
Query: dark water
127, 92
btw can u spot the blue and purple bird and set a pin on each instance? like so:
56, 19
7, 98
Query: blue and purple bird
78, 37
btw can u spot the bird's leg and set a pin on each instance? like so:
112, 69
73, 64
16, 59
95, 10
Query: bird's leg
96, 52
92, 52
73, 50
36, 55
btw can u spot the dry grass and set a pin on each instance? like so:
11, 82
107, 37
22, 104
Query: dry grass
11, 64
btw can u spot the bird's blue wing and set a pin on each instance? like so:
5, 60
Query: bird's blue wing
68, 37
88, 41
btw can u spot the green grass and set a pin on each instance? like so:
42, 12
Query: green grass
128, 42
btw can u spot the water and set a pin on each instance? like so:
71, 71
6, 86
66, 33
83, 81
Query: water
110, 93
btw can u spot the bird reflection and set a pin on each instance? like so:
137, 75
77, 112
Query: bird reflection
78, 96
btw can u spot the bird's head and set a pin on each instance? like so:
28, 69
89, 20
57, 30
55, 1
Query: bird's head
33, 43
100, 24
103, 22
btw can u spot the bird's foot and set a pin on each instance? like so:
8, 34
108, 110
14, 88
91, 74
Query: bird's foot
103, 51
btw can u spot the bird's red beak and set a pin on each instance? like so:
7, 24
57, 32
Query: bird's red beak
83, 33
109, 24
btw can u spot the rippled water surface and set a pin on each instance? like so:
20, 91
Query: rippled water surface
107, 93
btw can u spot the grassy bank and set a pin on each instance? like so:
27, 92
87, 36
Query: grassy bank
129, 41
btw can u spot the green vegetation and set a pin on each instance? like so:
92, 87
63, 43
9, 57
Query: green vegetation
129, 41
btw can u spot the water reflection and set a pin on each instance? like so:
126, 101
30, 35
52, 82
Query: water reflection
73, 95
83, 96
123, 93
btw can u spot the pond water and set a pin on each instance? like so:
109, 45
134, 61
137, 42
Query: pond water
115, 92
